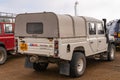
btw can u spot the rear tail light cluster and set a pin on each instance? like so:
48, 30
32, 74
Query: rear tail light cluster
16, 42
16, 45
56, 51
115, 35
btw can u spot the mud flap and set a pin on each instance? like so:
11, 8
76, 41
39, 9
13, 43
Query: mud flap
28, 64
65, 68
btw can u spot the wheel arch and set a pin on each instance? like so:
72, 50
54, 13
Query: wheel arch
79, 49
2, 45
112, 42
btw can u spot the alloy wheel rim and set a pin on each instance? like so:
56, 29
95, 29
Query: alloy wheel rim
80, 65
1, 55
112, 53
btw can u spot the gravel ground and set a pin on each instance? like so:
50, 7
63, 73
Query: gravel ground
14, 69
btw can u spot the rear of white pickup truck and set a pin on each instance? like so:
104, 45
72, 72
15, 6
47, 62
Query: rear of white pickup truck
38, 37
35, 33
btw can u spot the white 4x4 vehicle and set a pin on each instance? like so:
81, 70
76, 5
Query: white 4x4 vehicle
63, 39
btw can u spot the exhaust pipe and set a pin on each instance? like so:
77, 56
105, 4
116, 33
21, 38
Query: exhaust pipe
106, 31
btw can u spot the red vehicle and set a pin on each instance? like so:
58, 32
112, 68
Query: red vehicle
7, 39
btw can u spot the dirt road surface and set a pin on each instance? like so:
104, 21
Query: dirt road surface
14, 69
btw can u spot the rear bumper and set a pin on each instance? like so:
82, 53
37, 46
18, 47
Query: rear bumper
34, 59
45, 54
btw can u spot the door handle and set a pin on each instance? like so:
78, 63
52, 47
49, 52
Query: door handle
91, 42
99, 41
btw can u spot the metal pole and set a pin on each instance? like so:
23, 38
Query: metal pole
75, 7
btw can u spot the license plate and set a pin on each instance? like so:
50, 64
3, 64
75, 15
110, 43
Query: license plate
23, 47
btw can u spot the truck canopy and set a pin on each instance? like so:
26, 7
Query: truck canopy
50, 25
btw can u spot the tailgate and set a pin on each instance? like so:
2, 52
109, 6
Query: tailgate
37, 46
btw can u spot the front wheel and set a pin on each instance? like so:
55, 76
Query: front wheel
111, 53
41, 66
3, 55
77, 64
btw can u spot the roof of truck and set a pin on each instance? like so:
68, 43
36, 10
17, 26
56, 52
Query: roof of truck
85, 17
91, 19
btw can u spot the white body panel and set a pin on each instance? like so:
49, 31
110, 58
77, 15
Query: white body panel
68, 30
46, 47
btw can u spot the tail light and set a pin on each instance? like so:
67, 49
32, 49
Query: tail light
16, 42
118, 35
56, 51
115, 35
16, 45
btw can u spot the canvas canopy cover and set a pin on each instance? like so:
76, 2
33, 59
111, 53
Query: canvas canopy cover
49, 25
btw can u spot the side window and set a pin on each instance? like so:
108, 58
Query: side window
8, 28
92, 29
34, 28
100, 28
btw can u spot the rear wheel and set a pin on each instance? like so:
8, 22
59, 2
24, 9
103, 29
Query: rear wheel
3, 55
42, 66
111, 53
77, 64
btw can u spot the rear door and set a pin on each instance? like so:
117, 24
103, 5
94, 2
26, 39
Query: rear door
35, 44
92, 37
9, 35
101, 39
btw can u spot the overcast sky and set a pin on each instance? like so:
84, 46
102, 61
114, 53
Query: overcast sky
95, 8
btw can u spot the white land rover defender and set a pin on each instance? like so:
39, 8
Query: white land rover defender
63, 39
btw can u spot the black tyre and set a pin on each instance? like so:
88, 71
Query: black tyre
3, 55
42, 66
111, 52
77, 64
